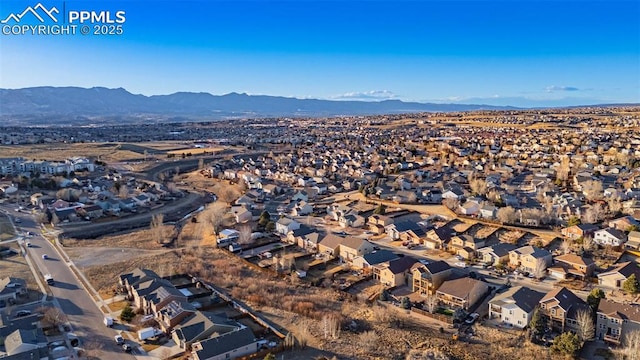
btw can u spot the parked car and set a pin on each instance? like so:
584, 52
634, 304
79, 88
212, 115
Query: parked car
471, 318
22, 313
126, 347
45, 256
119, 340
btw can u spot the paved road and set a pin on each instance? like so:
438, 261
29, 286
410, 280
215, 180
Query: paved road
83, 313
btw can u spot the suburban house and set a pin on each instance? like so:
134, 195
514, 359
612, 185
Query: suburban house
367, 261
428, 277
609, 237
515, 307
579, 231
128, 280
624, 223
351, 220
173, 315
406, 231
560, 308
488, 211
529, 258
330, 245
633, 240
466, 245
377, 223
438, 238
496, 254
285, 224
615, 320
572, 265
26, 344
618, 274
396, 272
11, 287
161, 296
200, 325
231, 345
461, 293
351, 247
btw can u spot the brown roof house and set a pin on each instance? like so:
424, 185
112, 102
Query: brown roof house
614, 321
461, 293
616, 275
396, 272
572, 265
579, 231
351, 247
560, 308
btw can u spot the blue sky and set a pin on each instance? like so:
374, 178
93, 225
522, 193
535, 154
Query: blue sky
521, 53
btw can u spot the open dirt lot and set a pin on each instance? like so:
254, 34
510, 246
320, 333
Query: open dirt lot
109, 152
6, 228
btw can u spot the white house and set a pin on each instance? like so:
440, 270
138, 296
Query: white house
609, 236
515, 307
284, 225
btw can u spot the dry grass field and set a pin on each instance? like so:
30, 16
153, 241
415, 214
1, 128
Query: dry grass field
195, 151
108, 152
6, 228
386, 332
17, 266
140, 239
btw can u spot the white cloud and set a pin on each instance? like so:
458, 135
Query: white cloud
553, 88
366, 95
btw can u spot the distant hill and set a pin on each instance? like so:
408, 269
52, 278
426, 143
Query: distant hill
80, 105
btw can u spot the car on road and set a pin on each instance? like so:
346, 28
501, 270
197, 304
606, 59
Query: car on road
45, 256
458, 257
18, 220
471, 318
461, 265
22, 313
127, 348
29, 244
119, 340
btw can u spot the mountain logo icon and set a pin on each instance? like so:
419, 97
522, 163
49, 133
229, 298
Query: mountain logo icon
39, 11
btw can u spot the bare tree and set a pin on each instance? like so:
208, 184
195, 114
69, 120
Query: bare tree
478, 186
123, 193
586, 328
244, 236
226, 193
157, 228
595, 213
53, 316
587, 243
331, 326
506, 215
562, 171
615, 205
541, 269
592, 189
172, 187
565, 246
92, 349
213, 215
630, 346
200, 164
451, 204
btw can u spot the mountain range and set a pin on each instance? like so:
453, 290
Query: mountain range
46, 104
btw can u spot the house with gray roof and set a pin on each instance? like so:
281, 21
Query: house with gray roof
231, 345
515, 307
200, 325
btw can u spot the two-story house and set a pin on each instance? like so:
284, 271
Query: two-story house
461, 293
572, 265
351, 247
615, 320
560, 308
579, 231
427, 277
609, 237
396, 272
529, 258
515, 307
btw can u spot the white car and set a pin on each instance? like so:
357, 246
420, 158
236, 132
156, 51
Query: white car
461, 265
45, 256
